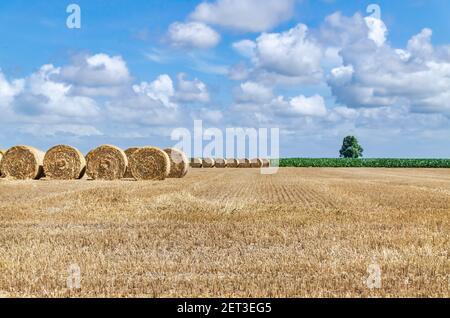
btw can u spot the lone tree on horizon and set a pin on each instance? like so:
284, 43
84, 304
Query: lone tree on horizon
351, 148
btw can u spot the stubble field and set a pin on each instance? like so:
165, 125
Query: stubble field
231, 232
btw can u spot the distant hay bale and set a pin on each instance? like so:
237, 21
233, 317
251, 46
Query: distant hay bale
244, 163
129, 152
266, 163
232, 163
256, 163
220, 163
64, 162
179, 164
1, 156
196, 163
106, 163
150, 163
208, 163
22, 163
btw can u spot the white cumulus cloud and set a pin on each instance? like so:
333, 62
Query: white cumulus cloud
193, 35
161, 89
252, 92
245, 15
191, 91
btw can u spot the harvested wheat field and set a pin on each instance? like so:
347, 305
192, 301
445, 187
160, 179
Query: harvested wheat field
230, 232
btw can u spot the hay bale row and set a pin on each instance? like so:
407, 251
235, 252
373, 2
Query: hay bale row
106, 162
145, 163
109, 162
229, 163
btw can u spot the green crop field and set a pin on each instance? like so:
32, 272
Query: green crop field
364, 163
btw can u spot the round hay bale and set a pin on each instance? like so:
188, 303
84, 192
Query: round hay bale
64, 162
232, 163
22, 163
256, 163
244, 163
179, 163
220, 163
106, 163
208, 163
266, 163
129, 152
196, 163
150, 163
1, 156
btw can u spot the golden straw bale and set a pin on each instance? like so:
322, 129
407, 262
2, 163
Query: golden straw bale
1, 156
64, 162
179, 163
232, 163
129, 152
196, 163
106, 163
244, 163
150, 163
220, 163
208, 163
256, 163
22, 163
266, 163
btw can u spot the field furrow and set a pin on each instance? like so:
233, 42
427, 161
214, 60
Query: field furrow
230, 232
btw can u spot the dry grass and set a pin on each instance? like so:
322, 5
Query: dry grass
230, 232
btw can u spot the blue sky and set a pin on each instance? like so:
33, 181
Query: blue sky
318, 70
